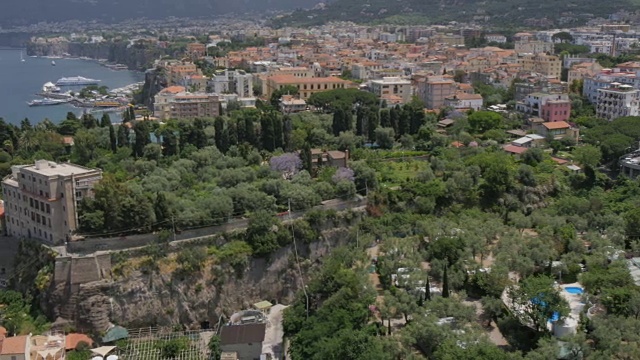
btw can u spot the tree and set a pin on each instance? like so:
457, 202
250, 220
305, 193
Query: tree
113, 141
162, 208
341, 121
538, 301
215, 350
123, 136
305, 155
482, 121
260, 233
445, 283
287, 164
285, 90
218, 125
105, 120
267, 132
587, 155
384, 137
142, 133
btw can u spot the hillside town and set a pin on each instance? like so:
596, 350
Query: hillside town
342, 191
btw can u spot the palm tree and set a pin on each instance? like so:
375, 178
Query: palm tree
27, 141
8, 146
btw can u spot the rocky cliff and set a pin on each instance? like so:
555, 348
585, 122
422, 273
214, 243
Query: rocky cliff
137, 292
136, 57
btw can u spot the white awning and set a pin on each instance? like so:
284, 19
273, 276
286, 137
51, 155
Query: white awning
103, 350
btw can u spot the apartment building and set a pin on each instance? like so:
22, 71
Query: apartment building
178, 71
606, 78
434, 90
306, 86
580, 71
533, 47
162, 100
548, 65
193, 105
232, 82
392, 86
41, 200
617, 101
550, 107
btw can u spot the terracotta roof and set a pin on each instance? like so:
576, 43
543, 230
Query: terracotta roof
559, 161
173, 89
556, 125
242, 334
337, 154
73, 339
514, 149
457, 144
290, 79
14, 345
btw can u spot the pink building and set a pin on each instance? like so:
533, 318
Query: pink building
556, 110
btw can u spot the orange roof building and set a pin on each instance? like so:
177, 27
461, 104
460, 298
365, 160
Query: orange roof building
73, 339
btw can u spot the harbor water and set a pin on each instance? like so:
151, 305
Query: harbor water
20, 81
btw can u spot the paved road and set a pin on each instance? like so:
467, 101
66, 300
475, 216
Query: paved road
109, 245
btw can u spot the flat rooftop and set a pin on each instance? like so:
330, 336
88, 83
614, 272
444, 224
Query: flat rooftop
50, 168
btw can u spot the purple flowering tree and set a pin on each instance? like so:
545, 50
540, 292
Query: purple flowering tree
288, 164
343, 173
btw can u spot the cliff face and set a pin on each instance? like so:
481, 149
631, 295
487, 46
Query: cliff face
136, 57
139, 292
154, 81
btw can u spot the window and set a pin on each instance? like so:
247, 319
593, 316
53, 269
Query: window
40, 192
30, 202
41, 206
48, 209
63, 208
61, 195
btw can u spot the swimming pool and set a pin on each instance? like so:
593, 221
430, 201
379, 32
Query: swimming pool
574, 290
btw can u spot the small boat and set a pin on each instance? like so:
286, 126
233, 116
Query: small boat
46, 102
53, 63
22, 57
50, 88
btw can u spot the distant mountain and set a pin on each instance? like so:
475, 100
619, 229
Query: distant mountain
497, 12
22, 12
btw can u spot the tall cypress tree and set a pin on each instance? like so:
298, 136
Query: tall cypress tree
373, 121
337, 125
360, 121
427, 289
394, 117
278, 132
385, 118
305, 156
267, 132
105, 120
250, 131
287, 128
218, 126
141, 131
112, 138
123, 135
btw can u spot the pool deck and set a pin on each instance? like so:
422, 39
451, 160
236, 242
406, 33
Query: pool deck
575, 304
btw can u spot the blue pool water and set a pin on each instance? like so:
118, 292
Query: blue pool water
574, 290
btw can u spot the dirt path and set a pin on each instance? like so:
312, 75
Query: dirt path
492, 330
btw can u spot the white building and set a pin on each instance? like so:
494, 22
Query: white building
232, 82
464, 101
617, 101
41, 200
497, 38
389, 87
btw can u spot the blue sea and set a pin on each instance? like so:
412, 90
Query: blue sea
20, 81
